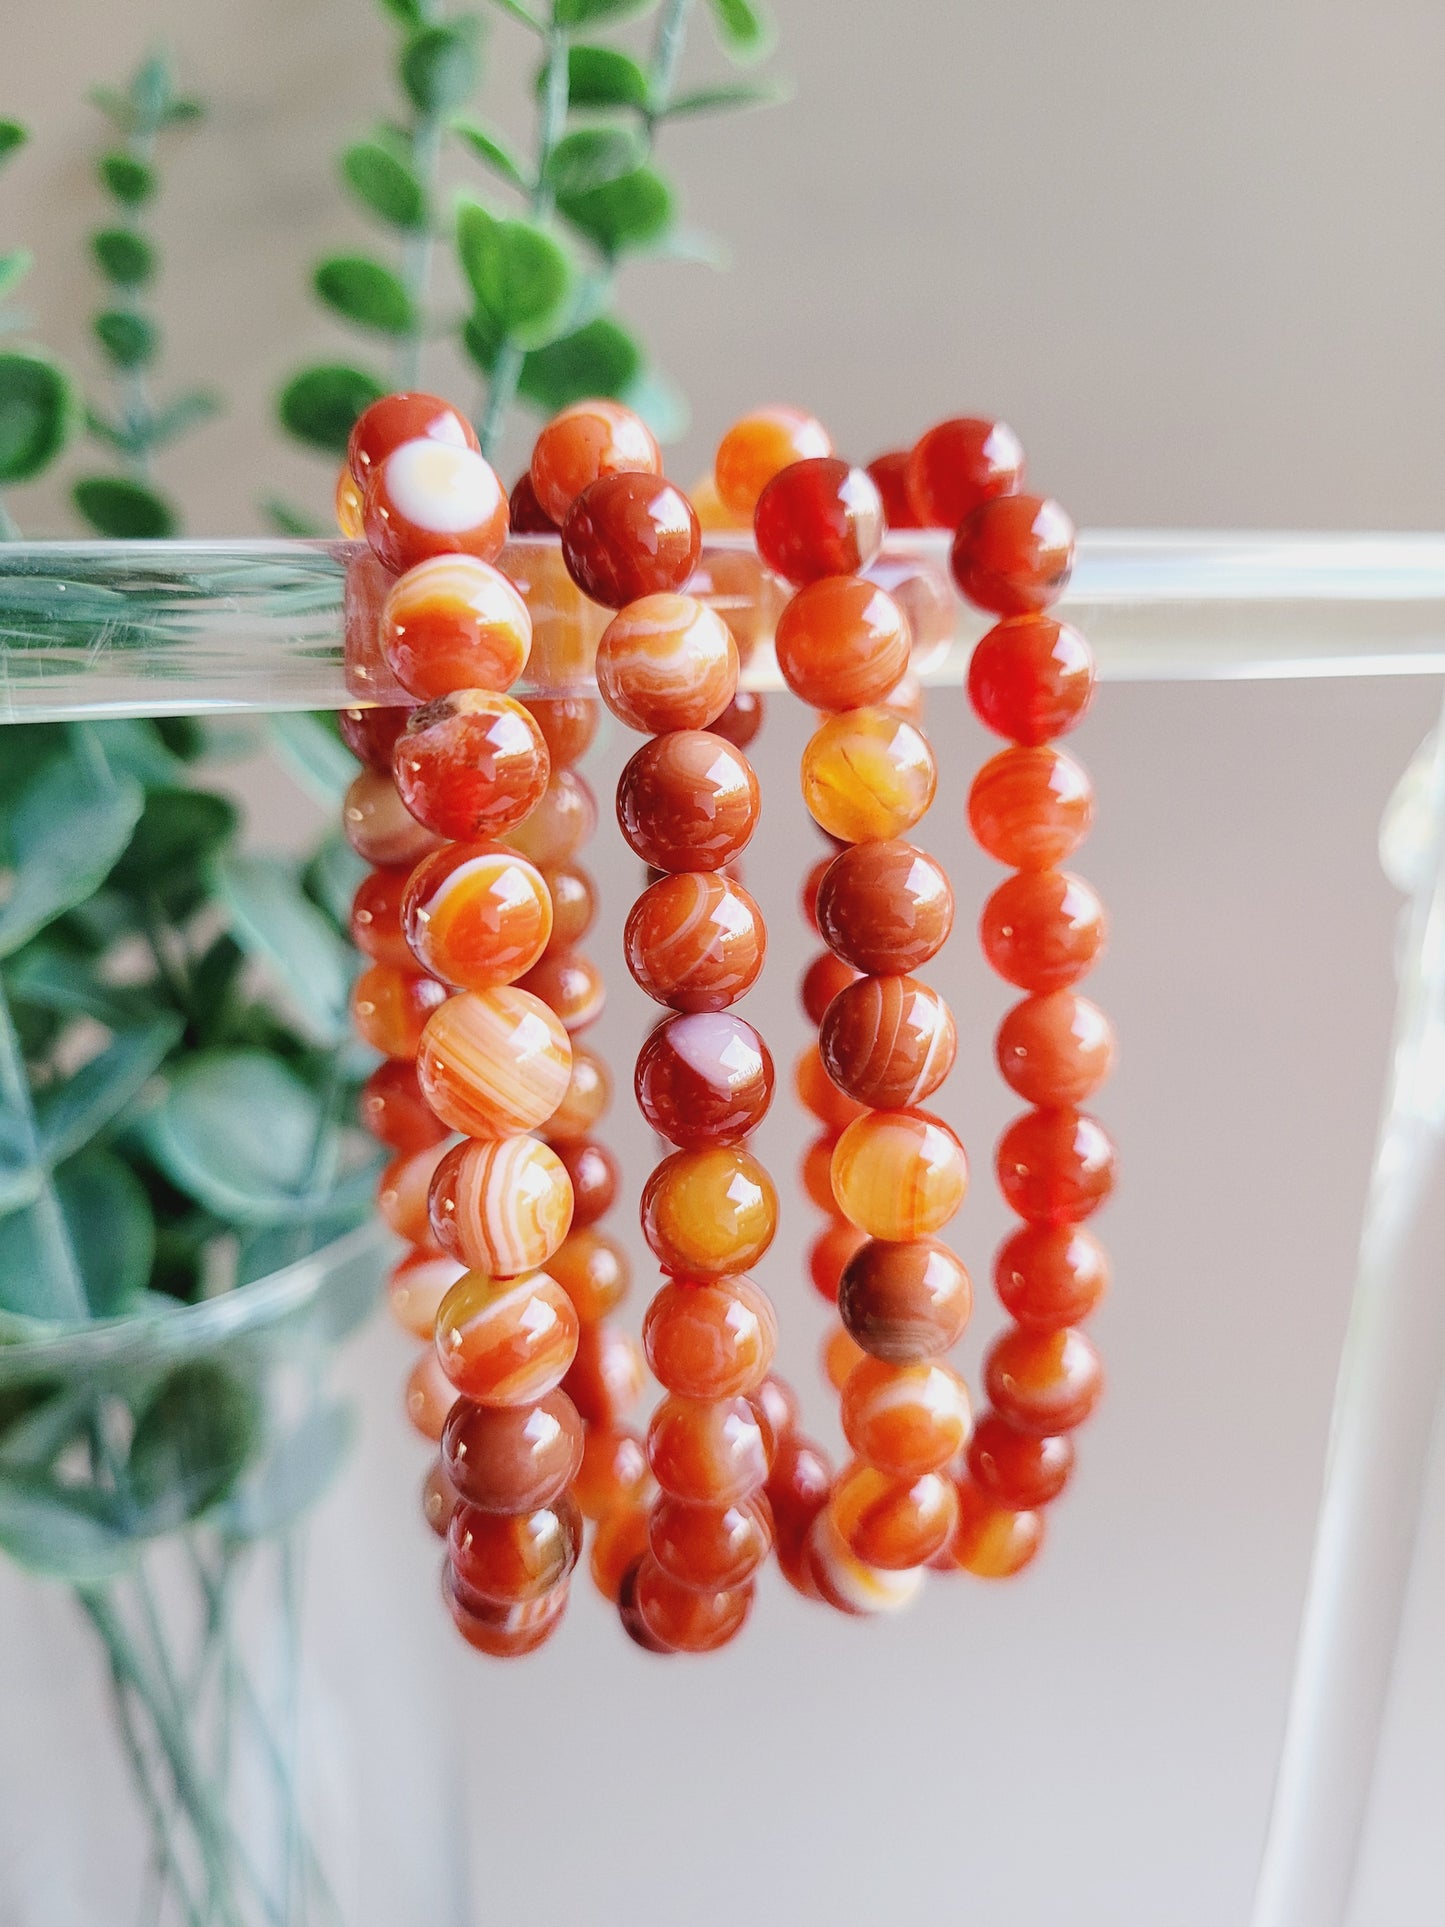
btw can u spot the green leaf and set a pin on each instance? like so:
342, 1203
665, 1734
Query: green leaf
130, 511
127, 259
130, 340
61, 1531
128, 180
112, 1229
385, 184
722, 100
39, 412
320, 405
315, 755
599, 359
497, 155
237, 1131
193, 1440
520, 274
602, 77
183, 414
363, 291
275, 922
35, 1438
742, 28
286, 519
178, 832
45, 975
588, 13
70, 1114
292, 1477
439, 64
592, 156
628, 213
407, 13
516, 11
65, 832
12, 135
482, 340
14, 266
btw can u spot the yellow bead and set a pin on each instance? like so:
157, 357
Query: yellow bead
899, 1174
710, 1212
868, 774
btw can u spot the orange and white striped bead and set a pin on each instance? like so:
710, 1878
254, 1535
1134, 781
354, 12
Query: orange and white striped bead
506, 1341
494, 1062
502, 1206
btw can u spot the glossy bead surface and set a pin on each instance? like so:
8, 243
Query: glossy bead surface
1050, 1275
959, 463
905, 1302
402, 1194
416, 1288
346, 502
1043, 930
833, 1108
506, 1341
1018, 1469
568, 725
571, 985
905, 1419
564, 818
819, 517
840, 1356
588, 1094
525, 513
390, 1008
688, 801
709, 1547
848, 1583
829, 1254
825, 976
893, 1523
1031, 678
990, 1540
741, 720
618, 1547
606, 1378
394, 1111
613, 1474
1013, 555
885, 907
1055, 1050
1031, 808
797, 1490
513, 1458
503, 1632
1044, 1382
667, 662
494, 1062
476, 915
370, 734
695, 942
816, 1169
509, 1557
376, 927
379, 826
890, 473
454, 622
439, 1499
595, 1177
593, 1270
585, 442
502, 1208
759, 446
899, 1174
628, 536
709, 1212
868, 774
888, 1042
776, 1404
429, 497
684, 1620
404, 417
1055, 1167
710, 1340
842, 643
707, 1451
471, 766
430, 1395
704, 1079
574, 902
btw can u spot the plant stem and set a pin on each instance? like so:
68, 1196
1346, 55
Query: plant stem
171, 1871
666, 53
65, 1283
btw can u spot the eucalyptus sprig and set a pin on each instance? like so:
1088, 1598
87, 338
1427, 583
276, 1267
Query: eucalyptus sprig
39, 403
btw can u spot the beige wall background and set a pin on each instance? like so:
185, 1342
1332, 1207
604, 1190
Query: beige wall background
1193, 254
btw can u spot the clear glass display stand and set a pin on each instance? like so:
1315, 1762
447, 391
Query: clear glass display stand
90, 629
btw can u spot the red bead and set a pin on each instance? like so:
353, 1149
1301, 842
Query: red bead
1055, 1050
476, 915
1055, 1167
817, 1092
402, 1193
759, 446
506, 1341
471, 766
704, 1079
776, 1404
568, 725
812, 883
430, 1395
797, 1490
586, 1098
428, 498
513, 1458
507, 1558
574, 901
1043, 930
707, 1451
1013, 554
370, 734
683, 1620
379, 826
888, 1042
404, 417
628, 536
524, 512
825, 976
393, 1109
503, 1632
842, 643
885, 908
376, 919
710, 1547
1031, 678
390, 1008
741, 720
905, 1419
816, 1171
695, 941
416, 1288
454, 622
688, 801
593, 1271
439, 1499
571, 984
581, 445
819, 517
564, 819
613, 1477
833, 1247
1031, 808
595, 1177
890, 473
1043, 1382
958, 464
710, 1340
904, 1302
1050, 1275
893, 1524
606, 1378
1018, 1469
991, 1541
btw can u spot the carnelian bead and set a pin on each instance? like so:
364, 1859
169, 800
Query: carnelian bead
829, 1254
888, 1041
565, 817
709, 1212
825, 976
568, 725
958, 464
376, 927
990, 1540
1055, 1050
899, 1174
704, 1079
819, 517
346, 501
439, 1499
471, 766
1050, 1275
709, 1547
574, 902
593, 1271
618, 1547
595, 1176
506, 1341
797, 1490
885, 908
695, 941
390, 1008
812, 883
613, 1473
525, 513
1031, 678
583, 443
1031, 808
494, 1062
1055, 1167
503, 1632
428, 498
906, 1419
817, 1172
688, 801
1043, 930
1043, 1382
394, 1111
513, 1458
628, 536
606, 1378
571, 985
817, 1092
380, 827
684, 1620
430, 1395
370, 734
503, 1207
847, 1582
667, 662
710, 1340
416, 1288
776, 1404
508, 1557
741, 720
893, 1523
842, 643
454, 622
868, 774
403, 417
403, 1192
707, 1451
588, 1093
1013, 554
476, 915
1018, 1469
761, 445
905, 1302
842, 1354
890, 473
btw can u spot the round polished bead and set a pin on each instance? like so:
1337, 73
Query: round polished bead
585, 442
571, 985
429, 497
524, 512
403, 1191
346, 502
667, 662
709, 1547
841, 1355
595, 1176
588, 1093
905, 1419
816, 1169
504, 1632
370, 734
394, 1111
818, 517
628, 536
506, 1341
1055, 1050
741, 720
695, 941
1043, 930
618, 1547
833, 1108
709, 1212
509, 1557
888, 1042
568, 725
704, 1079
1031, 808
707, 1451
439, 1499
404, 417
1044, 1382
416, 1288
1031, 678
593, 1271
376, 927
391, 1007
868, 774
1055, 1167
1018, 1469
688, 801
899, 1174
683, 1620
430, 1395
574, 902
825, 976
1013, 554
990, 1540
812, 883
890, 473
829, 1254
613, 1474
958, 464
893, 1523
471, 766
606, 1378
454, 622
494, 1062
380, 827
885, 907
710, 1340
845, 1581
761, 445
502, 1208
476, 915
905, 1302
797, 1490
778, 1410
1050, 1275
513, 1458
565, 817
842, 643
